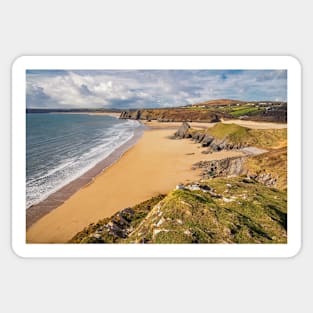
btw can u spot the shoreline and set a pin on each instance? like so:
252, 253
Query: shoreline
154, 164
58, 197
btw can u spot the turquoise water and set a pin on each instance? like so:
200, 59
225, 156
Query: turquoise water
61, 147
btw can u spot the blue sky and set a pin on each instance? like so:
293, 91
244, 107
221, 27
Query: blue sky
149, 88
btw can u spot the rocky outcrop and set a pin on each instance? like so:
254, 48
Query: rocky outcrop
206, 140
235, 166
215, 119
118, 226
222, 168
266, 179
125, 115
182, 131
133, 115
172, 115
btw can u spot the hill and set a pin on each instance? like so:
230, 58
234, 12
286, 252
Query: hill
219, 102
213, 111
173, 115
233, 210
232, 136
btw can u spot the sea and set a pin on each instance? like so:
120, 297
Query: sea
62, 147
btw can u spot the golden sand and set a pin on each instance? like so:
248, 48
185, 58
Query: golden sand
156, 164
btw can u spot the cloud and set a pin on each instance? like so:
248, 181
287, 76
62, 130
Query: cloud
149, 88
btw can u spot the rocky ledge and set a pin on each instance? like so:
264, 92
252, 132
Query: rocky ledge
205, 139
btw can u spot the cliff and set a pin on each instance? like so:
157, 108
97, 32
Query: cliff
172, 115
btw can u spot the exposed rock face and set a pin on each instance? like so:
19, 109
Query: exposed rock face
222, 168
215, 119
172, 115
125, 115
118, 226
206, 140
235, 166
182, 131
137, 115
266, 179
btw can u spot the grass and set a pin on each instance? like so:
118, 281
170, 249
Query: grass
139, 212
273, 162
239, 135
243, 111
252, 213
239, 211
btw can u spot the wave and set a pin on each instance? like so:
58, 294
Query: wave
75, 160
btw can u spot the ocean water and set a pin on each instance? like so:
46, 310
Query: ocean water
61, 147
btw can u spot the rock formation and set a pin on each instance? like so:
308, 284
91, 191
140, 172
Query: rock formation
182, 131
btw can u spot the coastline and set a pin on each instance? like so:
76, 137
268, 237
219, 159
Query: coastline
57, 198
154, 165
113, 114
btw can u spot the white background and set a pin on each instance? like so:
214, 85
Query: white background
159, 27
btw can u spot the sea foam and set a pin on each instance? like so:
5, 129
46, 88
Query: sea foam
60, 148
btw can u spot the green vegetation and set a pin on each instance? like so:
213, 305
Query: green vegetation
222, 131
234, 210
241, 111
238, 135
273, 163
240, 211
116, 227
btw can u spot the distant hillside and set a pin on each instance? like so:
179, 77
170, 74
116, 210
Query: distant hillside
219, 102
214, 110
207, 111
173, 115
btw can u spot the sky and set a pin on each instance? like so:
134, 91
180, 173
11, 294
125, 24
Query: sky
126, 89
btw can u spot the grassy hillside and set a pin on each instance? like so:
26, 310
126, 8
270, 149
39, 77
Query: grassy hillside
272, 164
117, 227
238, 135
233, 210
219, 102
257, 111
229, 136
232, 213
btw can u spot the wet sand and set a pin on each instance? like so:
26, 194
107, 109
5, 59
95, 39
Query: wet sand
156, 164
37, 211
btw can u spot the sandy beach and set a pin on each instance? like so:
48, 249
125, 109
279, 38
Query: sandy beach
155, 165
204, 125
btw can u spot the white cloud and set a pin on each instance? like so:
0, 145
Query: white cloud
149, 88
